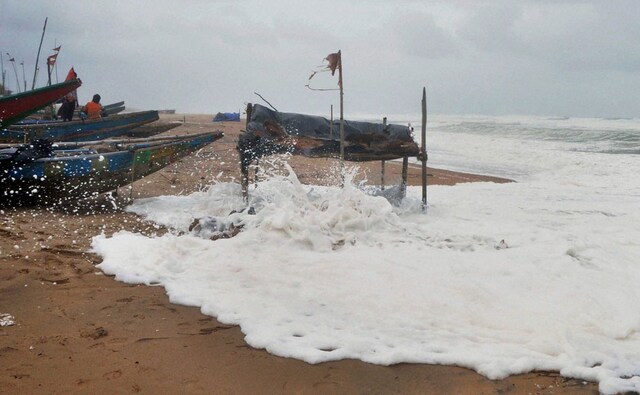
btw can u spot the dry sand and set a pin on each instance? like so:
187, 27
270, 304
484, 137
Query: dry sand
79, 331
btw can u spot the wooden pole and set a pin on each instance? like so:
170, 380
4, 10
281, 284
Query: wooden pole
423, 150
382, 162
340, 82
405, 168
13, 64
4, 87
331, 124
24, 79
55, 65
35, 71
244, 169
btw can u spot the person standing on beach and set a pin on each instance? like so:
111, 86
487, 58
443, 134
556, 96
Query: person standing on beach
93, 109
67, 108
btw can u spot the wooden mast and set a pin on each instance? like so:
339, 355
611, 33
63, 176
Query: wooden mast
35, 71
423, 149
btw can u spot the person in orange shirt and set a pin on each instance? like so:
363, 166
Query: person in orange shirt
93, 109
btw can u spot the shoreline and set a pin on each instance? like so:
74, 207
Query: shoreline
78, 330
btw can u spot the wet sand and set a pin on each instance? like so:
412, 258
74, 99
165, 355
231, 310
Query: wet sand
79, 331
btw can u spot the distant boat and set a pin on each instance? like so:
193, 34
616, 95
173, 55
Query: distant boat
166, 111
40, 174
81, 130
227, 117
15, 107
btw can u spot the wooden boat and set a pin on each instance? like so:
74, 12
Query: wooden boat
152, 129
113, 110
270, 132
41, 174
18, 106
227, 117
81, 130
113, 105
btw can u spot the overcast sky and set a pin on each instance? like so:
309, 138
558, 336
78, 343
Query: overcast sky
494, 57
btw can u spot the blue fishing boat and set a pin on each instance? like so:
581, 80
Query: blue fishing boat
81, 130
41, 173
113, 108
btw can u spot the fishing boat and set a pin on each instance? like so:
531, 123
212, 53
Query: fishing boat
45, 174
152, 129
81, 130
15, 107
113, 108
270, 132
113, 105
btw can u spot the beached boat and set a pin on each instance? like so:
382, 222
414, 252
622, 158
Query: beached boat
227, 117
42, 174
113, 110
152, 129
270, 132
81, 130
18, 106
113, 105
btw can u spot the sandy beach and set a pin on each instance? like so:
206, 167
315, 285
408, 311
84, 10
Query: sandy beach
77, 330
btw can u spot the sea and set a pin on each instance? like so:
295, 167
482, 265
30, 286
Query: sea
539, 274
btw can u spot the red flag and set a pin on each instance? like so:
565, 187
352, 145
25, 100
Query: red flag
57, 49
51, 60
334, 61
71, 75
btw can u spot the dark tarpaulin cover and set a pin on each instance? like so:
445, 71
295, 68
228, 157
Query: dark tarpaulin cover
227, 116
270, 132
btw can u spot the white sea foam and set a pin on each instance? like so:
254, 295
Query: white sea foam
324, 273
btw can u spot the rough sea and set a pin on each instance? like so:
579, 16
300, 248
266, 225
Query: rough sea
539, 274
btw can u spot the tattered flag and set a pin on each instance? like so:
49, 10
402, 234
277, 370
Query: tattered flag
51, 60
57, 49
334, 61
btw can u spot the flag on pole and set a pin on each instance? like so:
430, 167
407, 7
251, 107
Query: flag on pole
71, 75
57, 49
51, 60
334, 63
12, 60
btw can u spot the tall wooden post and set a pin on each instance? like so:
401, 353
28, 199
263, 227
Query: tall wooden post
24, 79
405, 170
244, 168
382, 162
331, 124
423, 149
4, 87
340, 82
35, 71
